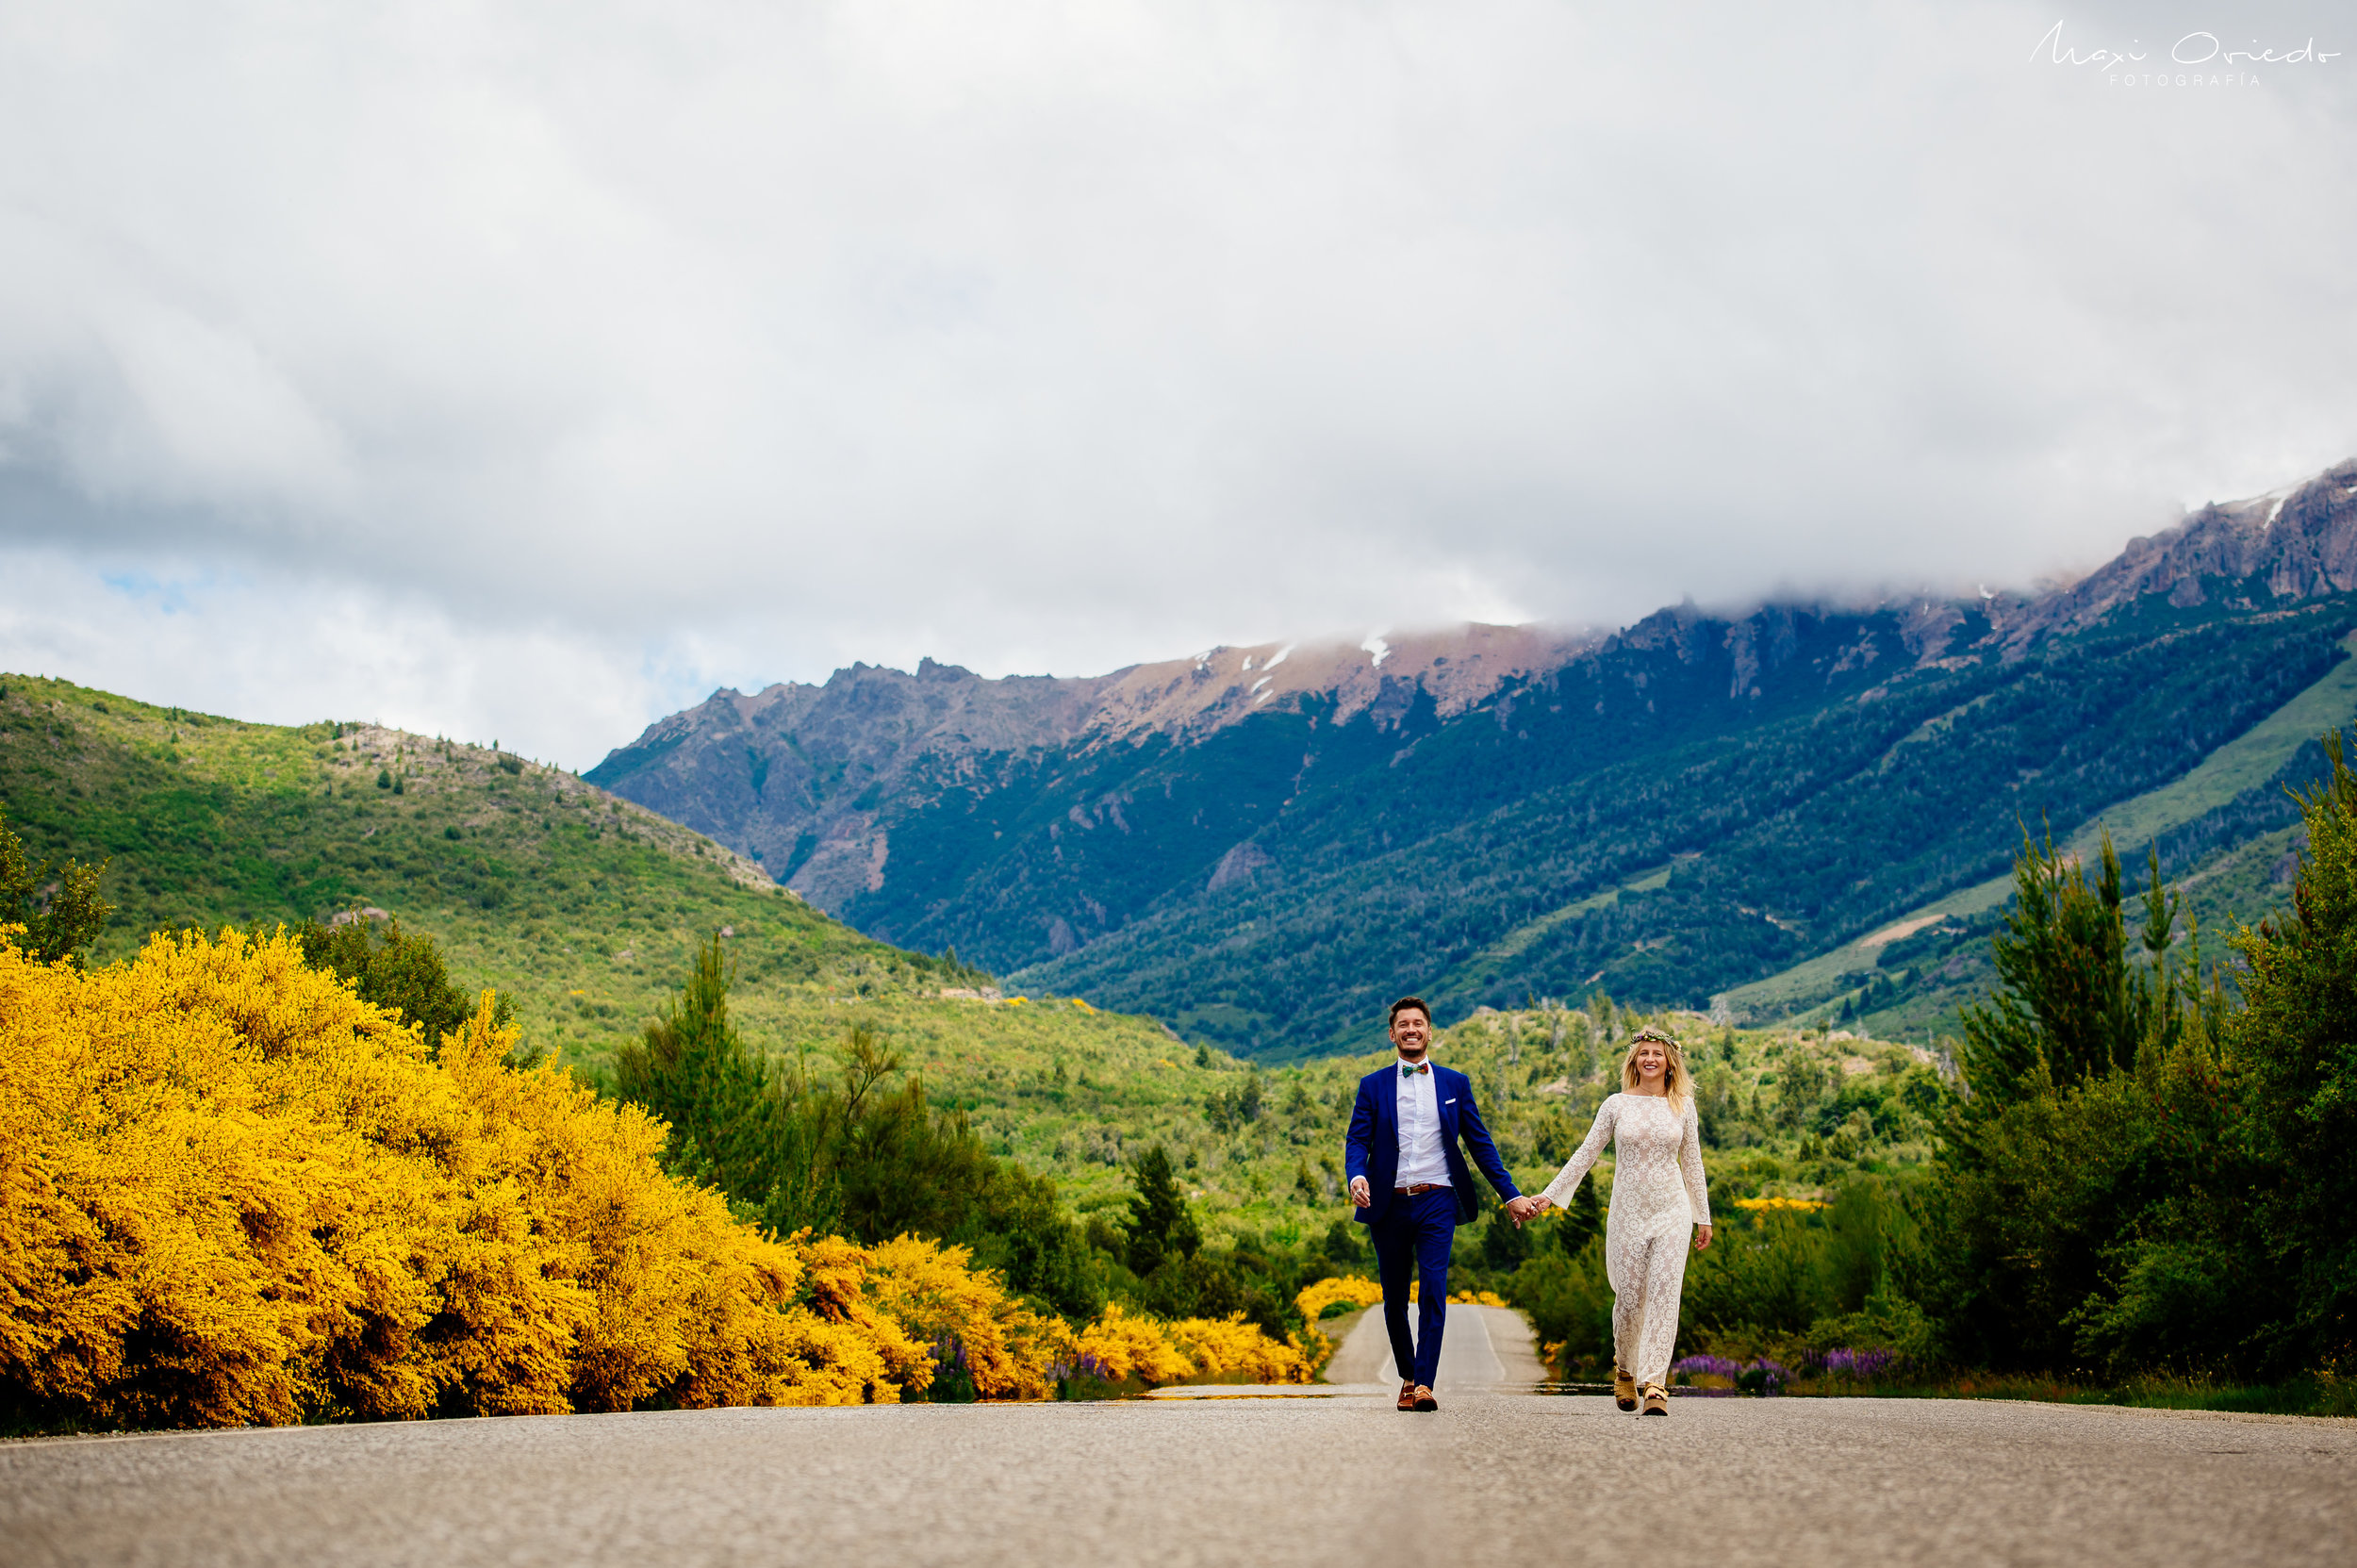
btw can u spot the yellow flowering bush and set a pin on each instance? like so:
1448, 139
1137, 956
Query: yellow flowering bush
927, 1289
1223, 1347
1126, 1346
231, 1192
1122, 1345
1350, 1289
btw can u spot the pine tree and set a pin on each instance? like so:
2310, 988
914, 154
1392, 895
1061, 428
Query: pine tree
1160, 1226
730, 1120
2072, 1007
2297, 1039
1583, 1218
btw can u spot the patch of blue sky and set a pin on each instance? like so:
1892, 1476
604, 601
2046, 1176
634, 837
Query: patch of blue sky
169, 595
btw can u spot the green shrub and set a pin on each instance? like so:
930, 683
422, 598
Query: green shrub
404, 974
1570, 1302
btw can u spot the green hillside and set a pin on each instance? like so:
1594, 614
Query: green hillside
582, 906
533, 881
586, 908
2224, 833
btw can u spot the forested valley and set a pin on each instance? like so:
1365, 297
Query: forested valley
1800, 812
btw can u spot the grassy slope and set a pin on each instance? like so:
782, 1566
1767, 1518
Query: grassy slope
2243, 884
2247, 882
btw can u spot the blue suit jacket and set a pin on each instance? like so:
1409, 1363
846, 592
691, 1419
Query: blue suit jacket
1372, 1148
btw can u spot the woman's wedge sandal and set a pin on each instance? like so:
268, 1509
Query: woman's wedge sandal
1623, 1388
1657, 1399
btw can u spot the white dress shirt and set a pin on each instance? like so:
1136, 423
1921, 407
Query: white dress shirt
1421, 1159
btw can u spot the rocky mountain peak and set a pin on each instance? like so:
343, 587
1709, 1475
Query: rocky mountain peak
802, 776
2295, 542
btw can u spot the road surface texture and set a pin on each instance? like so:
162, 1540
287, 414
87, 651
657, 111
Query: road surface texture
1330, 1476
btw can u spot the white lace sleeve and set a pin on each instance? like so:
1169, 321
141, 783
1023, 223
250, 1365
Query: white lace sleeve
1690, 1167
1558, 1192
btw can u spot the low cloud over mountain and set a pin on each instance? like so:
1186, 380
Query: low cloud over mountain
1250, 838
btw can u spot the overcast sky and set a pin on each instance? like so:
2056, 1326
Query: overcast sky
527, 370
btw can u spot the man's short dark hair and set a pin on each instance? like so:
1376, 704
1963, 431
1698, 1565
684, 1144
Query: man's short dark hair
1403, 1005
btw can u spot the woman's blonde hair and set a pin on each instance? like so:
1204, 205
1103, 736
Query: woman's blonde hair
1674, 1080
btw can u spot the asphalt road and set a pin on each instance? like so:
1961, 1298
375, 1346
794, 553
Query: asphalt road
1495, 1477
1480, 1348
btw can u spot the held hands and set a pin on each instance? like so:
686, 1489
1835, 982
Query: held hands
1522, 1209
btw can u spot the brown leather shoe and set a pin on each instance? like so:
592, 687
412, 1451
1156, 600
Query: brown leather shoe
1425, 1400
1624, 1387
1657, 1399
1407, 1397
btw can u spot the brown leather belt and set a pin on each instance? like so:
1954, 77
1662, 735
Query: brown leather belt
1420, 1188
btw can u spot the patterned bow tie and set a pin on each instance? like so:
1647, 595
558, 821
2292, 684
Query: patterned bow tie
1406, 1072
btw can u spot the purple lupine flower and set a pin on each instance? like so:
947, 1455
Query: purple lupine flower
1709, 1366
1085, 1364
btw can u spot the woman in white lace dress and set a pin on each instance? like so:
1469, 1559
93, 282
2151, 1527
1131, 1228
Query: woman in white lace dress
1659, 1200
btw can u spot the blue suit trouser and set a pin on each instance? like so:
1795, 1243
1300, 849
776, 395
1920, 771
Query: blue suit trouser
1414, 1235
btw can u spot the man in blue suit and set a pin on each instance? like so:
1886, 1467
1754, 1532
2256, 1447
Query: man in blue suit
1410, 1182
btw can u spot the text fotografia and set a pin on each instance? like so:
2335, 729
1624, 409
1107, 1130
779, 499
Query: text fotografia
2198, 59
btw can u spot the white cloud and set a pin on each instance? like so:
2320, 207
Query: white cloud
607, 353
284, 651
